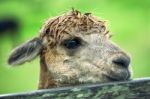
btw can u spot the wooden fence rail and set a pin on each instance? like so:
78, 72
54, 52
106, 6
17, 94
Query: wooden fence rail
133, 89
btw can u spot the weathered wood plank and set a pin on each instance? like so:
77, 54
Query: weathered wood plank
134, 89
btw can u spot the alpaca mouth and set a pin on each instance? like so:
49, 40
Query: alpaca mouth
110, 78
118, 77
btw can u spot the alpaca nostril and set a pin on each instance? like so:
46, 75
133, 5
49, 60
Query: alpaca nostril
122, 61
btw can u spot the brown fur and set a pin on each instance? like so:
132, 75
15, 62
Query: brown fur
59, 28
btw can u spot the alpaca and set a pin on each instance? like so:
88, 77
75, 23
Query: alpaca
74, 48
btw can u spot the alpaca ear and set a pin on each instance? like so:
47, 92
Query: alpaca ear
25, 52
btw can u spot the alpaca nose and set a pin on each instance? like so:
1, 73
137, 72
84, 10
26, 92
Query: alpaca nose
123, 61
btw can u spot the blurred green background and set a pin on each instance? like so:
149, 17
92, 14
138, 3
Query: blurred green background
128, 20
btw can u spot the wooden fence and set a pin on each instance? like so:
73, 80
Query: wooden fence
133, 89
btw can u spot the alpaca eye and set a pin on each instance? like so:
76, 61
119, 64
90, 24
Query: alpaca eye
72, 43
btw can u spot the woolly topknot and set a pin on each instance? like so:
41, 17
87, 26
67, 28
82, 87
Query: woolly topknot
73, 21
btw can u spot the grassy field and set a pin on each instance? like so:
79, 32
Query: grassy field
128, 21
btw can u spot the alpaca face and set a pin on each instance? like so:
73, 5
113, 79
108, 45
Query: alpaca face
75, 48
87, 57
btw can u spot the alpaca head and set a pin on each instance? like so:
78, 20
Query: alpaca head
76, 48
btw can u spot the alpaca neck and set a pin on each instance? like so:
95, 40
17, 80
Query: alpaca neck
46, 80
